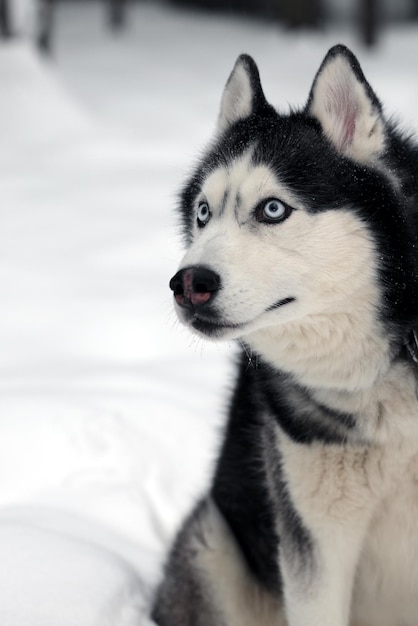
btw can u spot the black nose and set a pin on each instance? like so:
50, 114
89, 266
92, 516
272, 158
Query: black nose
194, 286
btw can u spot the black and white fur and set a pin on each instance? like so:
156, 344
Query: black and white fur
301, 234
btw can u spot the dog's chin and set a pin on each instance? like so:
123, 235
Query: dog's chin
215, 329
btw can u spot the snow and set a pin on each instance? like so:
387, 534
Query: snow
110, 412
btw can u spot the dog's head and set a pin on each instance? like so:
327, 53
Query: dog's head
297, 226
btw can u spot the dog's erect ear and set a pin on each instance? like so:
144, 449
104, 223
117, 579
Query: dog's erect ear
347, 108
242, 93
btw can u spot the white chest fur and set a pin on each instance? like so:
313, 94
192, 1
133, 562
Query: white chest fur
386, 586
360, 505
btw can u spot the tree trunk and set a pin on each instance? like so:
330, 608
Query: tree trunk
5, 26
368, 22
45, 17
117, 13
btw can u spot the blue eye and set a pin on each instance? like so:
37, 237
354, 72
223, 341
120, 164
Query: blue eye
272, 211
203, 214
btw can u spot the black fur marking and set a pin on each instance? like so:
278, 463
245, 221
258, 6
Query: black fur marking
240, 487
300, 416
280, 303
296, 544
224, 201
238, 201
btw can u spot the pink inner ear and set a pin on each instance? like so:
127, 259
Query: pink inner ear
343, 110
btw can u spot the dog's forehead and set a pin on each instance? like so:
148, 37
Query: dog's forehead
239, 178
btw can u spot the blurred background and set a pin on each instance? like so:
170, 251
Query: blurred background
367, 16
110, 412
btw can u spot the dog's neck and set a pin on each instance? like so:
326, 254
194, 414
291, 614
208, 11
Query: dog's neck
349, 368
338, 353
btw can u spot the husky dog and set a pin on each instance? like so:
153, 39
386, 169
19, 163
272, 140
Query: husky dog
301, 234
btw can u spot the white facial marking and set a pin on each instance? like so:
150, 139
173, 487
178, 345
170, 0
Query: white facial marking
324, 262
243, 184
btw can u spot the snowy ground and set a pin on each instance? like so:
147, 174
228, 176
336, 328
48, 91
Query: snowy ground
110, 412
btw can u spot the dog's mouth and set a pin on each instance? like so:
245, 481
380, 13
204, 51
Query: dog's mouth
212, 328
212, 325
